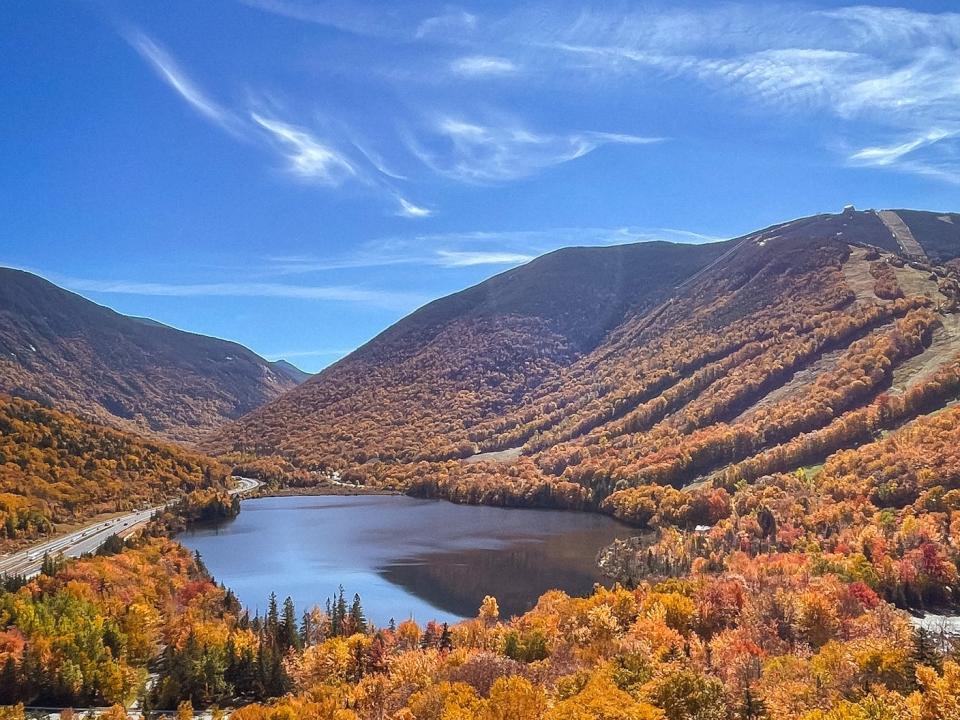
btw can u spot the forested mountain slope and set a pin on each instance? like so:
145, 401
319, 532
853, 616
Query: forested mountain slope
57, 468
60, 349
768, 353
412, 391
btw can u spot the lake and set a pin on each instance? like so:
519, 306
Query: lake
406, 557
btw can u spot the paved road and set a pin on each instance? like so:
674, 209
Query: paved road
90, 538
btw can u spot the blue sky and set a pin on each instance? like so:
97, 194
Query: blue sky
296, 175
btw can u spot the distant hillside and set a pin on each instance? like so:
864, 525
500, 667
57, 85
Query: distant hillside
61, 349
58, 468
291, 371
591, 370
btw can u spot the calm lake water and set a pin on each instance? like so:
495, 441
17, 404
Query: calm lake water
426, 559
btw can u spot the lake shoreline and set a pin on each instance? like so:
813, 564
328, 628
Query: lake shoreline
319, 491
404, 556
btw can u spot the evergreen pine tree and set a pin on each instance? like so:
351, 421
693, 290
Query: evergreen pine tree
48, 566
306, 629
430, 636
446, 639
9, 682
752, 708
341, 612
261, 671
925, 649
273, 617
358, 621
146, 704
287, 635
334, 619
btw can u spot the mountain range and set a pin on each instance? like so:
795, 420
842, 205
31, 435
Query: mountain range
133, 373
595, 369
586, 372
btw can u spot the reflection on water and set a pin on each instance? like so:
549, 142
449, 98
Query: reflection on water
406, 557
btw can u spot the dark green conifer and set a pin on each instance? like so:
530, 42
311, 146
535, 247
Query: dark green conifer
358, 621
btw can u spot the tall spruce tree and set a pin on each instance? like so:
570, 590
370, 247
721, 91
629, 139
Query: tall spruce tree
273, 617
287, 635
9, 682
306, 629
358, 621
446, 638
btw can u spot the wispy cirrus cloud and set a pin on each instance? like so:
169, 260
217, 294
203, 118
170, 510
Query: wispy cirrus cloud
446, 26
892, 67
917, 155
408, 209
452, 250
453, 148
483, 65
469, 258
171, 73
890, 154
881, 70
347, 17
332, 293
476, 153
307, 157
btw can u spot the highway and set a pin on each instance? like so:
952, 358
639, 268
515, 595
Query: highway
88, 539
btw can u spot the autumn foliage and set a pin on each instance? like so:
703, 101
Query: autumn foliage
767, 361
57, 468
886, 285
775, 415
776, 599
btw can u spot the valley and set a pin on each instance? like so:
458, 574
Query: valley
537, 360
659, 475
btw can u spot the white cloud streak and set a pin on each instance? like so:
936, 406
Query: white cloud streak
378, 298
409, 210
168, 70
873, 67
470, 249
934, 154
447, 26
483, 65
460, 258
344, 16
307, 157
475, 153
888, 155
